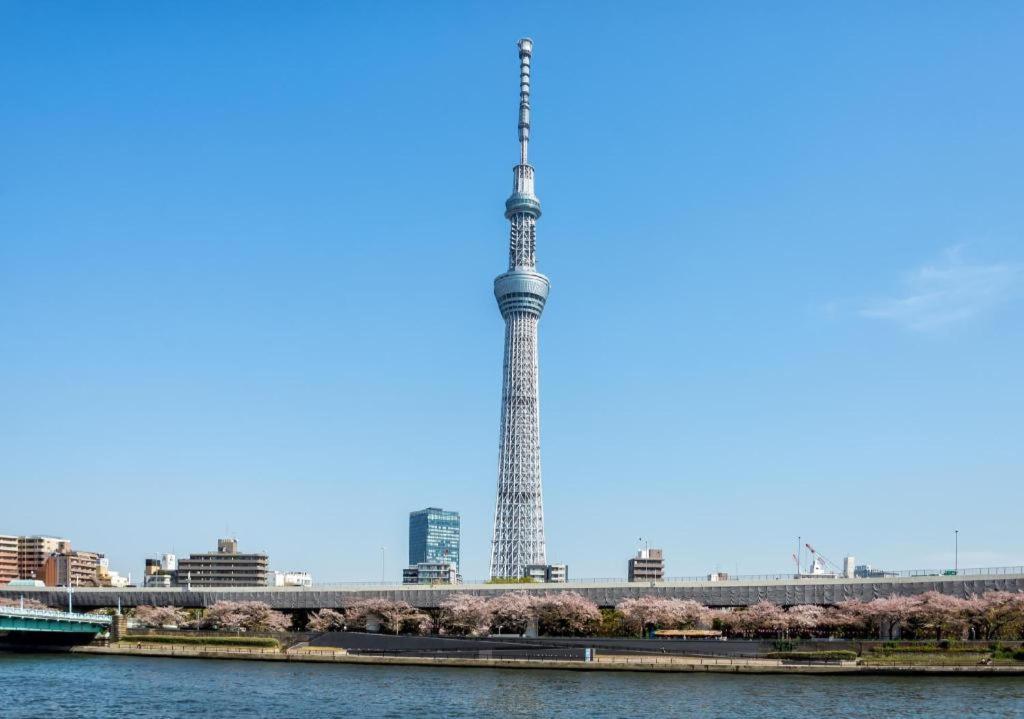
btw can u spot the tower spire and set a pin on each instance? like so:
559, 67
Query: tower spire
525, 53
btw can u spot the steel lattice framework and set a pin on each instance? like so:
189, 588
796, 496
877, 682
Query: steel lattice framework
521, 293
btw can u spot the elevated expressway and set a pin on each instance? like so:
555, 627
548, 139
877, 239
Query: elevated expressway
729, 593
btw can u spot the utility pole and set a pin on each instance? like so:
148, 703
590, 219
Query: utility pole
956, 551
382, 564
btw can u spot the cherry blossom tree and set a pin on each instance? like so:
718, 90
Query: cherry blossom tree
943, 614
725, 619
892, 614
511, 612
149, 616
567, 614
996, 615
326, 620
222, 615
851, 618
394, 616
248, 616
418, 623
28, 603
465, 615
807, 620
640, 613
763, 618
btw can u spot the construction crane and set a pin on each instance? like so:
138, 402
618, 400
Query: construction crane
819, 562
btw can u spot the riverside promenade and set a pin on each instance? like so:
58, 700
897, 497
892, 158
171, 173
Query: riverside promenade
600, 662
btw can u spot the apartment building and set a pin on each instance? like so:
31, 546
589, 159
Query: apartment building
647, 566
34, 551
8, 558
227, 567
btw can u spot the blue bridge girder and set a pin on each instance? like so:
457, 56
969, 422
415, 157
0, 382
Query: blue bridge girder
41, 620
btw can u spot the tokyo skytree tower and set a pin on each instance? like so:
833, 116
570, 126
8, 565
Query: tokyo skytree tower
521, 292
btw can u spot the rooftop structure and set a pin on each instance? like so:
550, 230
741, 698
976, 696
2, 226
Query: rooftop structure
518, 538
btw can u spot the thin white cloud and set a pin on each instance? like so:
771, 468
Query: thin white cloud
948, 292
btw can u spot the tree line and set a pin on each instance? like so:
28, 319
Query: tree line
992, 615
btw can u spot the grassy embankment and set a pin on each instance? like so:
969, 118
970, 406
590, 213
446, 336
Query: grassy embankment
942, 654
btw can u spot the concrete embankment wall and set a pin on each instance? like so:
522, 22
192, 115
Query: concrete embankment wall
650, 664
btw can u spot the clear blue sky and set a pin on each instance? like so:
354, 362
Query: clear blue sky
246, 253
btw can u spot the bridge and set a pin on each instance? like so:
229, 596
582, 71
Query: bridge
46, 626
785, 591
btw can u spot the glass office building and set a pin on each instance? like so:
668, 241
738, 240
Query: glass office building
433, 536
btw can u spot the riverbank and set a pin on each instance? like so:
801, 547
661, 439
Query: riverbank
606, 663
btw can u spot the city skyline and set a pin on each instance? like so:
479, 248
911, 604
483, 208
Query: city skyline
249, 274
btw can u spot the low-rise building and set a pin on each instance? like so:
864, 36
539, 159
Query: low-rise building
160, 581
431, 573
290, 579
110, 578
160, 572
227, 567
558, 573
647, 566
536, 572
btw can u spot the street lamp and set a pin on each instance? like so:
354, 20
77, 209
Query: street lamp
956, 551
382, 564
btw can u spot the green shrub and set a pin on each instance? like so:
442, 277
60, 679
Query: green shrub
833, 655
612, 624
1019, 655
924, 648
782, 645
204, 641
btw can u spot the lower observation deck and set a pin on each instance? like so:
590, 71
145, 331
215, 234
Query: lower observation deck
605, 593
521, 291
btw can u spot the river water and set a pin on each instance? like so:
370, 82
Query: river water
39, 686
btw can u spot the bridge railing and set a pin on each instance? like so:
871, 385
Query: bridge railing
55, 614
735, 578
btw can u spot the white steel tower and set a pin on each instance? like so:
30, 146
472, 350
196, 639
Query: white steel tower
521, 292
